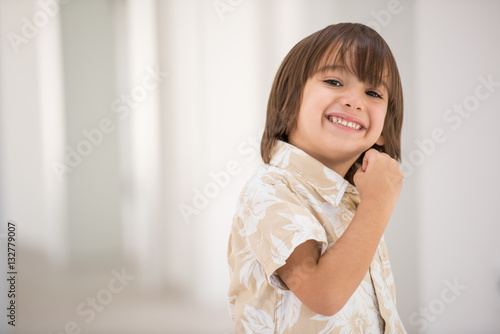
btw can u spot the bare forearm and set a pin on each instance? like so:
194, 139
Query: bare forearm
342, 268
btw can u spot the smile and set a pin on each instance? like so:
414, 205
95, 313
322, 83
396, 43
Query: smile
340, 121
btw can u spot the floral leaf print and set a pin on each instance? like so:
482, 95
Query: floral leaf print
364, 296
231, 306
330, 322
255, 210
305, 229
288, 311
251, 267
258, 321
284, 153
383, 291
342, 220
281, 156
279, 251
396, 323
353, 322
321, 207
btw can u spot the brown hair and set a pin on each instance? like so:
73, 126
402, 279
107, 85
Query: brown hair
358, 48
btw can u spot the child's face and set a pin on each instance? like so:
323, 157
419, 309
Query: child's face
337, 96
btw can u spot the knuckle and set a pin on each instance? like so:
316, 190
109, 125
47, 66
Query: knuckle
385, 155
401, 173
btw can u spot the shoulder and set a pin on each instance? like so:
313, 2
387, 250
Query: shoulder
266, 182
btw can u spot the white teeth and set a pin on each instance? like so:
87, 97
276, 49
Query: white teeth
337, 120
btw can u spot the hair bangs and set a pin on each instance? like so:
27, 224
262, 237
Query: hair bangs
360, 52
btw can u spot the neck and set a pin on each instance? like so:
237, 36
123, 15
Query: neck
340, 165
340, 168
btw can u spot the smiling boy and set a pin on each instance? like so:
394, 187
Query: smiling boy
306, 250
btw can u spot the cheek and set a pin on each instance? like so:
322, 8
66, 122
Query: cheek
321, 101
303, 121
379, 119
315, 101
307, 112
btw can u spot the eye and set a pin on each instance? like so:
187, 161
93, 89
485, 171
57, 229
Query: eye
332, 82
374, 94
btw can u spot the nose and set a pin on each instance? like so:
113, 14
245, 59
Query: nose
352, 99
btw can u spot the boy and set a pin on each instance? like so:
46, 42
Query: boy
306, 250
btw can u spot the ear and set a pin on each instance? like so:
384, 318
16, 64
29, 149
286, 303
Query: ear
380, 140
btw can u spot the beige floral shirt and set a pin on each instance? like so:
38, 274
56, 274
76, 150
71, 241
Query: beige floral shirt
293, 199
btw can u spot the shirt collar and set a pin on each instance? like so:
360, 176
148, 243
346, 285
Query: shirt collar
328, 183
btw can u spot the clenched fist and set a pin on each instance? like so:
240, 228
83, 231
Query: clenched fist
379, 179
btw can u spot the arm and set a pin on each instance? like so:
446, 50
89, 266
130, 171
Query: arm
325, 283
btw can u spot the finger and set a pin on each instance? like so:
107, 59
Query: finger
357, 176
369, 155
365, 163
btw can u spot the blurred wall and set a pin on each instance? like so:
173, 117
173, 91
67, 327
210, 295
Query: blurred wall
27, 140
458, 76
158, 192
94, 193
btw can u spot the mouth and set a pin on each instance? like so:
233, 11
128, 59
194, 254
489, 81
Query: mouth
344, 122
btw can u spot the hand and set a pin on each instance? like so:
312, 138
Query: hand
380, 179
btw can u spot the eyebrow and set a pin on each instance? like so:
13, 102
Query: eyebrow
327, 68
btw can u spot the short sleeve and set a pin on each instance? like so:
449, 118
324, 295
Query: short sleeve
275, 222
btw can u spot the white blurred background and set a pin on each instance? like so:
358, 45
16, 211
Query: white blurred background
128, 127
